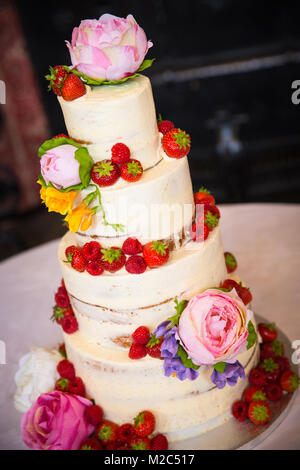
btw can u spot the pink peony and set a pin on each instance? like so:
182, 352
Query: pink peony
110, 48
214, 327
60, 167
56, 421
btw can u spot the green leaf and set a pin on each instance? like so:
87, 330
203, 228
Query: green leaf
251, 339
220, 367
56, 142
146, 64
179, 307
85, 165
184, 358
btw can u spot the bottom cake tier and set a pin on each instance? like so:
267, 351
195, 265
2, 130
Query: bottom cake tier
124, 387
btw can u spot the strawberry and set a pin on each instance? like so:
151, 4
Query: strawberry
253, 393
271, 370
112, 259
165, 126
94, 414
243, 292
69, 324
272, 349
267, 331
199, 232
213, 210
105, 173
76, 387
91, 251
240, 410
283, 362
62, 385
62, 350
69, 252
137, 351
132, 170
230, 262
60, 313
72, 88
107, 432
259, 412
141, 335
289, 381
257, 377
159, 442
274, 392
62, 298
136, 265
56, 78
66, 369
94, 268
112, 445
78, 261
126, 433
153, 347
140, 443
210, 220
120, 153
91, 444
132, 246
203, 196
60, 135
144, 423
156, 253
176, 143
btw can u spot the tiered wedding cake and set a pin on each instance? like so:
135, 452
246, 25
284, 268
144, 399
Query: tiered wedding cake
175, 250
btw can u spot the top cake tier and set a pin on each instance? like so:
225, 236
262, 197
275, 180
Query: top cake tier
115, 113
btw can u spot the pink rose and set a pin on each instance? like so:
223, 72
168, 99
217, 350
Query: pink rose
59, 166
214, 327
110, 48
56, 421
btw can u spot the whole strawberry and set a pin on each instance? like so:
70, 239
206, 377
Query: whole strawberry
56, 78
259, 412
165, 126
144, 423
107, 432
112, 259
60, 313
176, 143
230, 261
271, 370
267, 331
289, 381
153, 347
272, 349
120, 153
69, 252
105, 173
252, 393
91, 444
78, 262
203, 196
156, 254
72, 88
132, 170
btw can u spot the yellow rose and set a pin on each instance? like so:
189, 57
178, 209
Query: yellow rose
80, 216
57, 201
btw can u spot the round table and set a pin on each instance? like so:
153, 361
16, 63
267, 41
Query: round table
263, 237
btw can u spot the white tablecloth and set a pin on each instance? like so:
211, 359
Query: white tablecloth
265, 238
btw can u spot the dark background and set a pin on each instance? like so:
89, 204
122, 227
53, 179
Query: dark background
223, 72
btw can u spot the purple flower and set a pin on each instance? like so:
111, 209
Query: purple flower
174, 366
230, 375
169, 346
162, 329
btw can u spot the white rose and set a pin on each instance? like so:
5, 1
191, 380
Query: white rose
37, 374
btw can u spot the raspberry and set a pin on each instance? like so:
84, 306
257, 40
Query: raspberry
91, 444
94, 268
240, 410
61, 298
69, 324
141, 335
273, 392
136, 265
159, 442
132, 246
126, 433
91, 251
66, 369
137, 351
257, 377
120, 153
165, 126
76, 387
94, 414
283, 363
